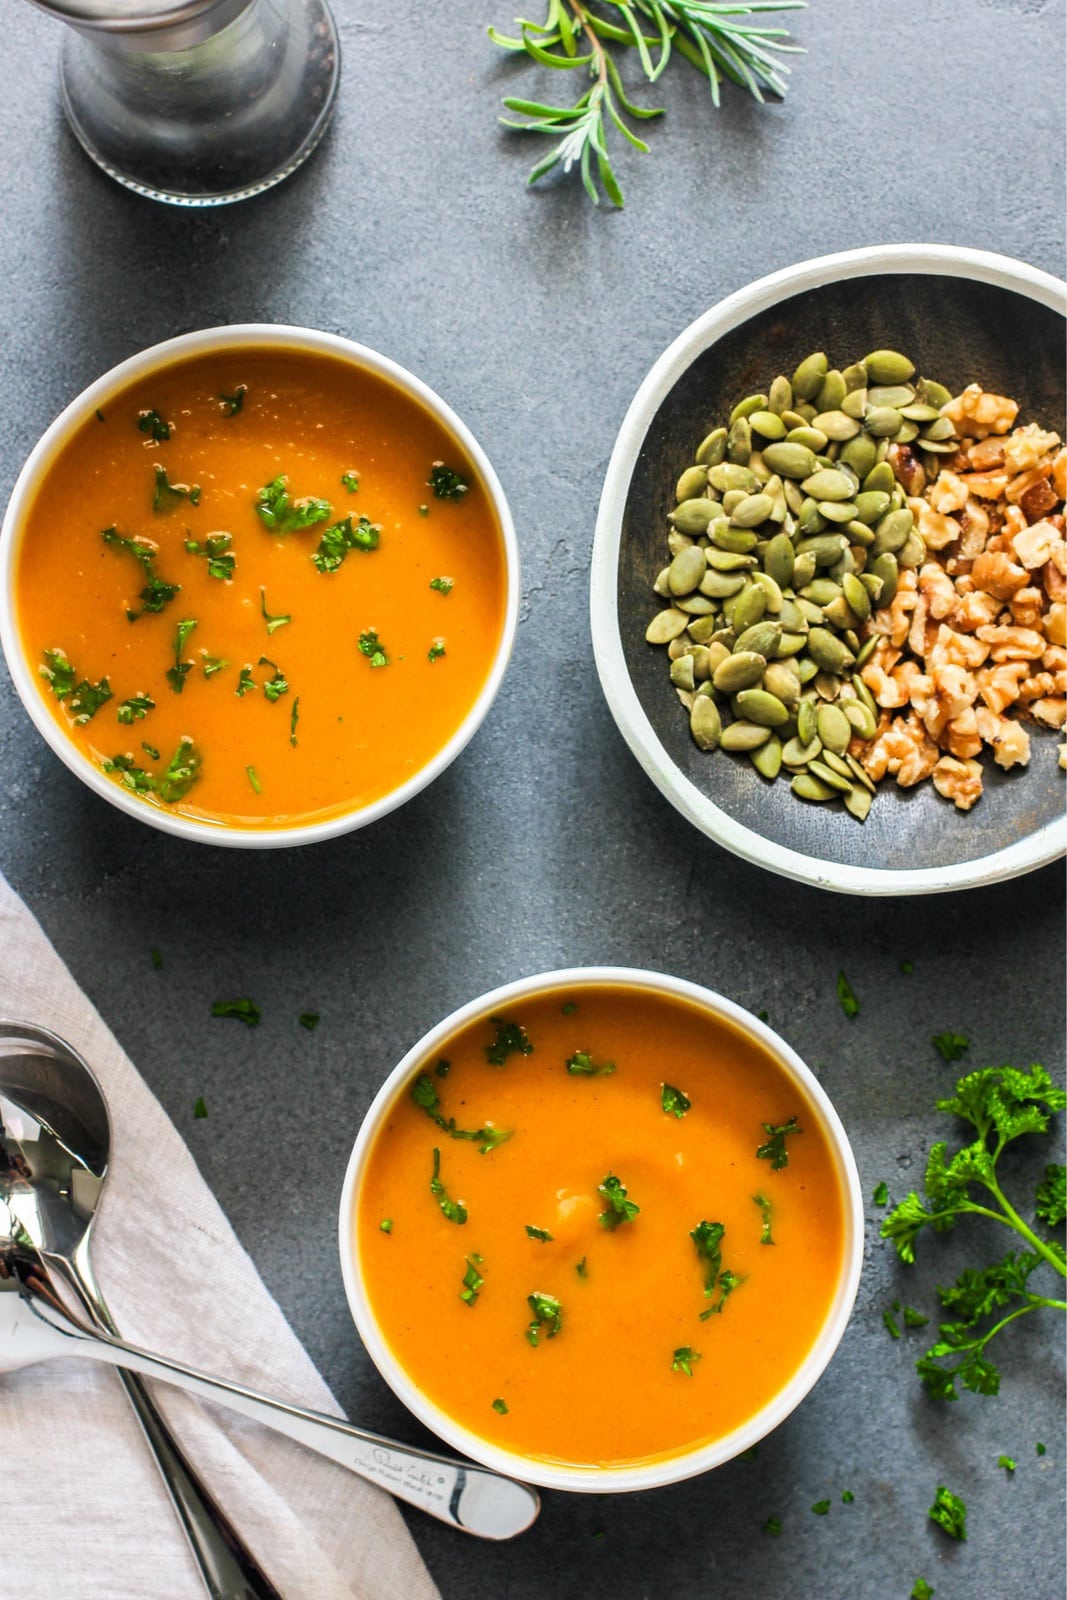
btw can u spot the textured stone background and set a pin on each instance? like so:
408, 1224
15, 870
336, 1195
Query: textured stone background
537, 317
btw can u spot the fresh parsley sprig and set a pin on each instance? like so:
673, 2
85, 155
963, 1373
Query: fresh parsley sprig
1001, 1104
593, 36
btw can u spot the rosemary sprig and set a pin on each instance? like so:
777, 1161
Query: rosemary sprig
718, 37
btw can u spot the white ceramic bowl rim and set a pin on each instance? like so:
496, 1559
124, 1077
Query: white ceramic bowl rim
263, 335
1038, 848
644, 1475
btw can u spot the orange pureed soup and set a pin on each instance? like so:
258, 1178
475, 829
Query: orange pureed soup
616, 1247
262, 587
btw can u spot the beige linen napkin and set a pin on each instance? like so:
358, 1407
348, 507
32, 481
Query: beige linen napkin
86, 1515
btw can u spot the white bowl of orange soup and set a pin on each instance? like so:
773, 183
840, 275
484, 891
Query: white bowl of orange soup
601, 1229
258, 585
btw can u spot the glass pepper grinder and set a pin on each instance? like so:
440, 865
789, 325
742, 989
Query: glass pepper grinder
198, 102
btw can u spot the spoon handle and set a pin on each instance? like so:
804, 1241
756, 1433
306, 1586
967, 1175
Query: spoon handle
465, 1496
228, 1569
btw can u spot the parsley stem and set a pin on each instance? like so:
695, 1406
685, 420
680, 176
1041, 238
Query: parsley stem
1033, 1240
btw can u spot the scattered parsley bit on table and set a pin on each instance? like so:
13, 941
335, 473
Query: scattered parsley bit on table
245, 1011
581, 1065
673, 1101
510, 1040
849, 1004
773, 1525
890, 1323
821, 1507
200, 1107
1007, 1462
309, 1020
620, 1209
684, 1358
881, 1194
907, 968
774, 1150
501, 1406
156, 958
472, 1281
453, 1210
949, 1512
1001, 1104
847, 1497
538, 1233
950, 1046
547, 1314
922, 1590
446, 483
282, 515
1040, 1449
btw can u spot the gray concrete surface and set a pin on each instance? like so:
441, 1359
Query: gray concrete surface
536, 317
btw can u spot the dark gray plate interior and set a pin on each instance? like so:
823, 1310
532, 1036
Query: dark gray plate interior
957, 331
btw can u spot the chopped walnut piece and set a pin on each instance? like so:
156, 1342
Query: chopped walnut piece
997, 575
960, 781
974, 413
1009, 739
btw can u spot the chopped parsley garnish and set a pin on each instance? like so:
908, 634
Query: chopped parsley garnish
100, 415
272, 622
913, 1318
673, 1101
220, 559
386, 1225
773, 1525
294, 718
510, 1040
443, 1068
177, 673
708, 1237
765, 1218
245, 682
351, 481
282, 515
1001, 1104
133, 777
424, 511
253, 780
182, 772
619, 1209
847, 1497
949, 1512
371, 646
849, 1004
921, 1590
582, 1065
212, 664
156, 959
774, 1150
569, 1007
547, 1315
84, 699
436, 650
157, 593
453, 1210
1007, 1462
309, 1020
581, 1269
881, 1194
425, 1096
538, 1233
342, 537
684, 1358
150, 750
274, 687
152, 423
232, 403
472, 1281
821, 1507
245, 1011
950, 1046
501, 1406
446, 483
200, 1107
443, 585
166, 495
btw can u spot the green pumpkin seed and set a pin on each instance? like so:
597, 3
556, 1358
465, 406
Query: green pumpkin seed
896, 395
806, 725
809, 519
836, 764
739, 671
935, 394
884, 566
682, 675
693, 516
666, 625
859, 601
662, 585
781, 680
880, 478
892, 530
729, 475
861, 720
906, 432
830, 484
835, 730
944, 428
758, 705
818, 770
812, 439
860, 454
838, 512
721, 585
767, 424
767, 760
795, 753
727, 537
701, 662
780, 396
732, 498
859, 533
803, 570
752, 510
771, 589
678, 541
691, 484
790, 459
858, 804
826, 548
751, 604
809, 788
686, 570
745, 407
760, 639
888, 366
831, 392
779, 559
744, 736
840, 613
712, 449
827, 651
855, 376
808, 377
838, 426
705, 723
718, 651
728, 560
871, 504
702, 628
739, 442
866, 649
882, 422
860, 775
920, 411
912, 552
696, 605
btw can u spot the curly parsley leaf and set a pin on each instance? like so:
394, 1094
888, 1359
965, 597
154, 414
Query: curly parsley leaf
351, 481
82, 699
950, 1046
281, 514
582, 1065
684, 1358
452, 1210
341, 537
501, 1406
1050, 1202
774, 1149
436, 651
619, 1209
511, 1040
949, 1512
274, 687
547, 1317
371, 646
220, 558
708, 1237
446, 483
673, 1101
443, 585
541, 1234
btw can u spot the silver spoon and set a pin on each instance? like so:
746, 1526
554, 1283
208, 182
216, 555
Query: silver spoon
44, 1231
55, 1138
